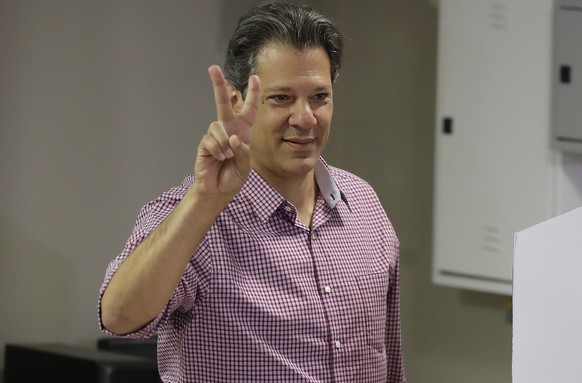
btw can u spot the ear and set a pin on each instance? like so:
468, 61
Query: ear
236, 100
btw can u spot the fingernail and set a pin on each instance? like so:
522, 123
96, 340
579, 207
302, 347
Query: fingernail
229, 153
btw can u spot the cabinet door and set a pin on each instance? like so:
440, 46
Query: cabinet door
493, 162
547, 310
567, 116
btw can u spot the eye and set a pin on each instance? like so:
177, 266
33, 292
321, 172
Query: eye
322, 96
279, 98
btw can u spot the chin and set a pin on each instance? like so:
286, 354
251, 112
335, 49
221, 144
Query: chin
300, 166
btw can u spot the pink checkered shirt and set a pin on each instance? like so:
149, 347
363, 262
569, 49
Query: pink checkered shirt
267, 299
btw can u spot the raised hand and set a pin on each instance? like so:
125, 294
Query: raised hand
223, 157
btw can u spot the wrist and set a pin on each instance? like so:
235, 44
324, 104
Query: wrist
198, 199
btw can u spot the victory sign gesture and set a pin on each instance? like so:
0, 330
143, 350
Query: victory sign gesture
223, 157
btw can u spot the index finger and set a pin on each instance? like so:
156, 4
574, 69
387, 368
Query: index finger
223, 106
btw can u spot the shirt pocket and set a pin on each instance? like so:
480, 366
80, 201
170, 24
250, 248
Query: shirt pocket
374, 297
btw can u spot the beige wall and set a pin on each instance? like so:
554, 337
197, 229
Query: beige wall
384, 132
101, 106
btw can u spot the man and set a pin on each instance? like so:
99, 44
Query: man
267, 264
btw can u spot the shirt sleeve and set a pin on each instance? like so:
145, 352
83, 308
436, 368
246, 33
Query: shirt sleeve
393, 331
149, 218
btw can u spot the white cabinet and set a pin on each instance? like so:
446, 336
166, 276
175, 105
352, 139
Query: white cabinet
567, 73
495, 169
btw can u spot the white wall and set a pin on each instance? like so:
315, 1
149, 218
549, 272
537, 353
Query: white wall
102, 104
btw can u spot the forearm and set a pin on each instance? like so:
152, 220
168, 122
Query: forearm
145, 282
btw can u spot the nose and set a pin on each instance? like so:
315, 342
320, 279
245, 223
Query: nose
302, 116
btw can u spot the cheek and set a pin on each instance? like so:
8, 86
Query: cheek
324, 121
265, 130
273, 117
325, 136
324, 115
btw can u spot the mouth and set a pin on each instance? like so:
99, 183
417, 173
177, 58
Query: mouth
299, 142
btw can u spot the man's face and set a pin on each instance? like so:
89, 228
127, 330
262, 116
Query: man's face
295, 111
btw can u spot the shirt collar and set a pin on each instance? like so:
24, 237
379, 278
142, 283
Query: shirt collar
265, 199
327, 185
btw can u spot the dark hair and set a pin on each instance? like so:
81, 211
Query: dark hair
297, 26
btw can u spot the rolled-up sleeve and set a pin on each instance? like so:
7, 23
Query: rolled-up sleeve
393, 330
149, 218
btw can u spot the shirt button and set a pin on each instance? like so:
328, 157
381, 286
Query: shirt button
288, 209
327, 289
313, 235
338, 344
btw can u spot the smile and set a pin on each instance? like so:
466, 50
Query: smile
302, 141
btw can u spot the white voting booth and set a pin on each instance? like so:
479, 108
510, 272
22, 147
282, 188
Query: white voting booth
547, 301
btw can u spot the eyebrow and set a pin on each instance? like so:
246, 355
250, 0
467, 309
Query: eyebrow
276, 88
